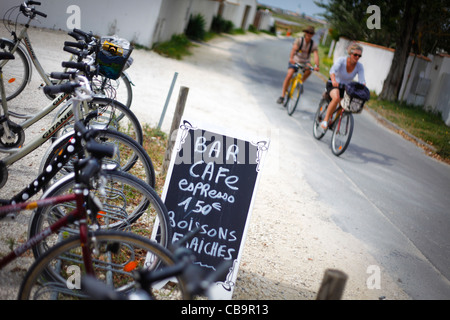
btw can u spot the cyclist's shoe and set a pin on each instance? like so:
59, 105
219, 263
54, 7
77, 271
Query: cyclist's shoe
280, 100
324, 125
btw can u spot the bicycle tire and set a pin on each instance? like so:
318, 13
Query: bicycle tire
343, 128
124, 200
48, 276
295, 99
16, 72
112, 115
131, 156
318, 132
119, 89
287, 96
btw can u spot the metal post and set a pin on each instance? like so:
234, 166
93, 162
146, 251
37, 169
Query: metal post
167, 100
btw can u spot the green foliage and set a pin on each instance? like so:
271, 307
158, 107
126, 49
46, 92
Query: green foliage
195, 29
220, 25
425, 125
177, 47
348, 18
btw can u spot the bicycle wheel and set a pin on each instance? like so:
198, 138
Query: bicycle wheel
111, 115
127, 203
318, 132
342, 133
130, 156
293, 102
16, 72
287, 95
119, 90
115, 255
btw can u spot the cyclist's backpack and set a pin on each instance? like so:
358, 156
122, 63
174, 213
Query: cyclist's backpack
356, 94
310, 47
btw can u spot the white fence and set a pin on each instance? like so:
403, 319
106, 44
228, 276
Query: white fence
142, 22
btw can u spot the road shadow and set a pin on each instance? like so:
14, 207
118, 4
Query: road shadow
261, 288
359, 154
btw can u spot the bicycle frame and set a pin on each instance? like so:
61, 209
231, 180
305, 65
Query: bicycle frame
23, 36
78, 214
63, 118
296, 78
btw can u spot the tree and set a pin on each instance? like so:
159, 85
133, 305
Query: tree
412, 25
408, 26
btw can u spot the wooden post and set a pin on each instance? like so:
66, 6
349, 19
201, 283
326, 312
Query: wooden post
179, 110
332, 286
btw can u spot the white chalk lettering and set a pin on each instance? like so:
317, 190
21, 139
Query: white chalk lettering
209, 173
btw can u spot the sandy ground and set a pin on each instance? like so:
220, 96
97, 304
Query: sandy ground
291, 240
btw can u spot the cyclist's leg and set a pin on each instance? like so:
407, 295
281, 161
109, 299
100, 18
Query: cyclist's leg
306, 74
286, 82
335, 99
115, 254
318, 117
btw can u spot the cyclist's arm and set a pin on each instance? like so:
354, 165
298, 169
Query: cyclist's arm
335, 69
361, 77
316, 60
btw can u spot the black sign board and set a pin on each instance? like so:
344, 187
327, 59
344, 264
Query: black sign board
211, 184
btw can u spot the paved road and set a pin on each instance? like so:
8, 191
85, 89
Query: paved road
384, 189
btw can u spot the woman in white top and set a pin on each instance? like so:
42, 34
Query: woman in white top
343, 72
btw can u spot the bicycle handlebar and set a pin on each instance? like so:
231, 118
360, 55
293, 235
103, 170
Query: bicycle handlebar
63, 75
79, 45
304, 66
341, 85
83, 67
68, 87
31, 12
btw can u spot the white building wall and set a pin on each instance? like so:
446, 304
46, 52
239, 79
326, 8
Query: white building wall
207, 8
100, 17
234, 10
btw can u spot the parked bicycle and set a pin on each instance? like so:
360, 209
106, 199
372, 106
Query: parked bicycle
295, 88
341, 122
125, 197
12, 135
107, 255
194, 280
18, 71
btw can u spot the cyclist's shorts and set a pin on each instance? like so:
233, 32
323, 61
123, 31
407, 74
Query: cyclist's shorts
292, 66
330, 87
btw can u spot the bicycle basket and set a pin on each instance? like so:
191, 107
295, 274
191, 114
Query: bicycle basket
114, 56
355, 95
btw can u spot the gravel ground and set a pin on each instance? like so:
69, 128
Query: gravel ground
286, 251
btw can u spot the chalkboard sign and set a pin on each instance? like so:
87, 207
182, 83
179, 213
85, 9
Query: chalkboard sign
210, 184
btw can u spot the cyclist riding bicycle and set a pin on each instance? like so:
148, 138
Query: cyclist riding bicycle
300, 53
343, 71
